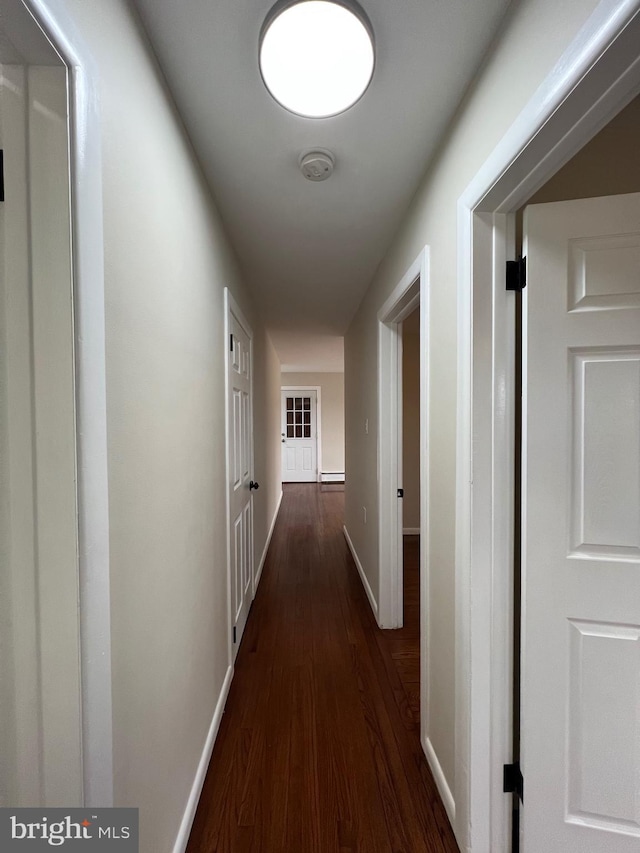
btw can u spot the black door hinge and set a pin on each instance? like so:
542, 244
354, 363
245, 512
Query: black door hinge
234, 633
517, 274
231, 342
400, 493
1, 175
513, 783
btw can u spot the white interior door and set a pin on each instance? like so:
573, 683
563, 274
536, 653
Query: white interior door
299, 437
581, 527
240, 471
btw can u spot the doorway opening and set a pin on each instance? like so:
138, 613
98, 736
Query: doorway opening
411, 424
409, 296
328, 388
408, 642
411, 293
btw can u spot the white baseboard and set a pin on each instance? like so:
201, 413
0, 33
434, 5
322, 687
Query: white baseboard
363, 577
196, 789
332, 477
410, 531
266, 544
440, 780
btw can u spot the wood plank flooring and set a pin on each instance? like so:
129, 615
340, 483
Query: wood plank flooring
318, 750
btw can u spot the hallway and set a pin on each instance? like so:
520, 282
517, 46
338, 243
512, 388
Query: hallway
318, 750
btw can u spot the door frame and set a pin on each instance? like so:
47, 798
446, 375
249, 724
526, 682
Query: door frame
318, 390
232, 307
411, 291
595, 78
85, 169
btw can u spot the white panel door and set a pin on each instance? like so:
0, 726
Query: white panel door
240, 476
299, 437
581, 527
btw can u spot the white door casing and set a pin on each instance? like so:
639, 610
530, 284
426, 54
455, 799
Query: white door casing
239, 468
581, 527
412, 290
299, 435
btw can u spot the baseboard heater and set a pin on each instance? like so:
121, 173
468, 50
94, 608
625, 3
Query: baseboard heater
332, 477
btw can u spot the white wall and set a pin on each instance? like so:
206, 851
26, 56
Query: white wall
167, 261
534, 36
332, 424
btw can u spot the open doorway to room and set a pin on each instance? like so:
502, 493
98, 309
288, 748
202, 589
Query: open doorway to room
312, 430
407, 647
411, 294
410, 297
411, 424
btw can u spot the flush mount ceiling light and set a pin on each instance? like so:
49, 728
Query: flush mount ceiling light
316, 57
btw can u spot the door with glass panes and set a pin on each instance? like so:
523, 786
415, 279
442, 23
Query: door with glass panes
299, 436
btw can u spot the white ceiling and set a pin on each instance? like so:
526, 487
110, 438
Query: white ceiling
309, 250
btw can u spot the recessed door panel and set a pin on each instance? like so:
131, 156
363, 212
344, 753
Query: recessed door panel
604, 726
299, 436
591, 285
237, 438
307, 459
238, 564
605, 496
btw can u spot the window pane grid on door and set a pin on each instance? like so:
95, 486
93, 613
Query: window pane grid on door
298, 415
299, 450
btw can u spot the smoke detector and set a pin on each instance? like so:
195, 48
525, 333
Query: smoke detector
317, 165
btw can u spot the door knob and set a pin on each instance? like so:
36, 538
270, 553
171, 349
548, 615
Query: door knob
253, 485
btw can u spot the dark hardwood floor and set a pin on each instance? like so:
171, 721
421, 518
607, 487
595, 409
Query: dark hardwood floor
318, 750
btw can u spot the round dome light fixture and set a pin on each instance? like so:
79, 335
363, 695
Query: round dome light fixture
316, 56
